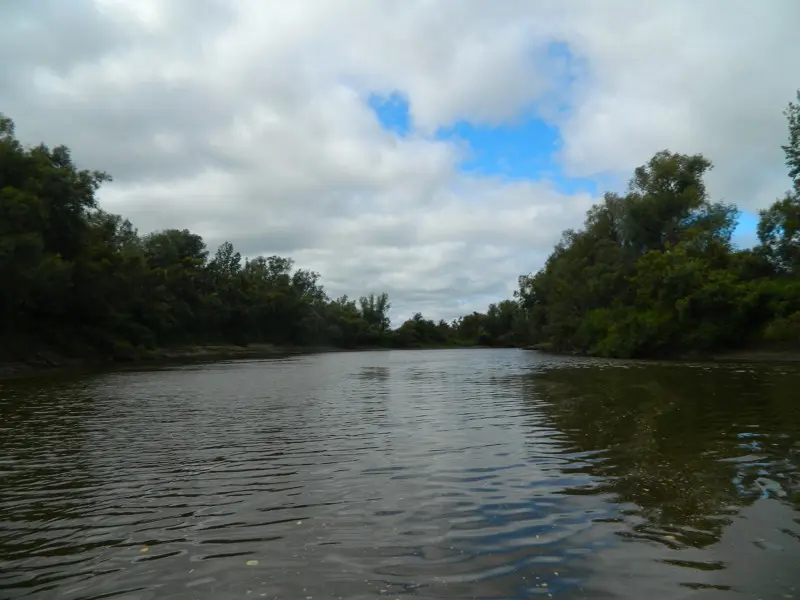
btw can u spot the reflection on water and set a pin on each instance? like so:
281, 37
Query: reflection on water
441, 474
702, 460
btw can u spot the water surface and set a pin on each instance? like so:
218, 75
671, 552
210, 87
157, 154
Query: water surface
414, 474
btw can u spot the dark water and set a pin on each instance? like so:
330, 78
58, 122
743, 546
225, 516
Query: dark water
442, 474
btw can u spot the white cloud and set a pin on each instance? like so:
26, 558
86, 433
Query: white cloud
248, 120
711, 77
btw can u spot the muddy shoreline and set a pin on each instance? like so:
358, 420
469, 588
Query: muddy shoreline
47, 362
51, 362
751, 355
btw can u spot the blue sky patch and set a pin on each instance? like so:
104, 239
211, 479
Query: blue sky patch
524, 149
392, 112
521, 150
744, 236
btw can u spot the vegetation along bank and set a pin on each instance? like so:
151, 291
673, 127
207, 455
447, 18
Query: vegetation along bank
652, 273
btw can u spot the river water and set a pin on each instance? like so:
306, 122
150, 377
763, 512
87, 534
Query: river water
414, 474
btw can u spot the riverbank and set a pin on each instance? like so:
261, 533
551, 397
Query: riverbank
47, 361
748, 355
52, 361
756, 355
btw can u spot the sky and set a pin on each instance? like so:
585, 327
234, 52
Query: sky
431, 150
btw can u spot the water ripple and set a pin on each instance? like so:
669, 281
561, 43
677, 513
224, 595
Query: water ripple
448, 474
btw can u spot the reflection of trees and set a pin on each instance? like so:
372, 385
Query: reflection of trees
688, 445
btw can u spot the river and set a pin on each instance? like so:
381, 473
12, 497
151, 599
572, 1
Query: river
411, 474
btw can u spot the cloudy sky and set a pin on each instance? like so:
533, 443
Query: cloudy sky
431, 149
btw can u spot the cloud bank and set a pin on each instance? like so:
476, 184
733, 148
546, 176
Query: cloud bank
251, 120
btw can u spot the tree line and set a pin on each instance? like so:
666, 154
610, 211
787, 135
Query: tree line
652, 273
79, 280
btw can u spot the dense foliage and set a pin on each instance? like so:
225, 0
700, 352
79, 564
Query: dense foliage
79, 280
653, 272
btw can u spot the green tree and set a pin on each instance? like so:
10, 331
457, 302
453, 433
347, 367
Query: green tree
779, 234
792, 149
653, 272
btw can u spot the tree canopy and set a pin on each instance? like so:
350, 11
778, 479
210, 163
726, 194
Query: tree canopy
80, 280
653, 272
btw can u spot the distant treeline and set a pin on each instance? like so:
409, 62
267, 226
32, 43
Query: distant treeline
653, 273
78, 280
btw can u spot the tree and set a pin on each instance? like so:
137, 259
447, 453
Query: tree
779, 234
792, 149
375, 311
653, 271
82, 280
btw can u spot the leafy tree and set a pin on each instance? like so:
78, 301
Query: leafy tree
779, 234
82, 281
375, 311
792, 149
653, 272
